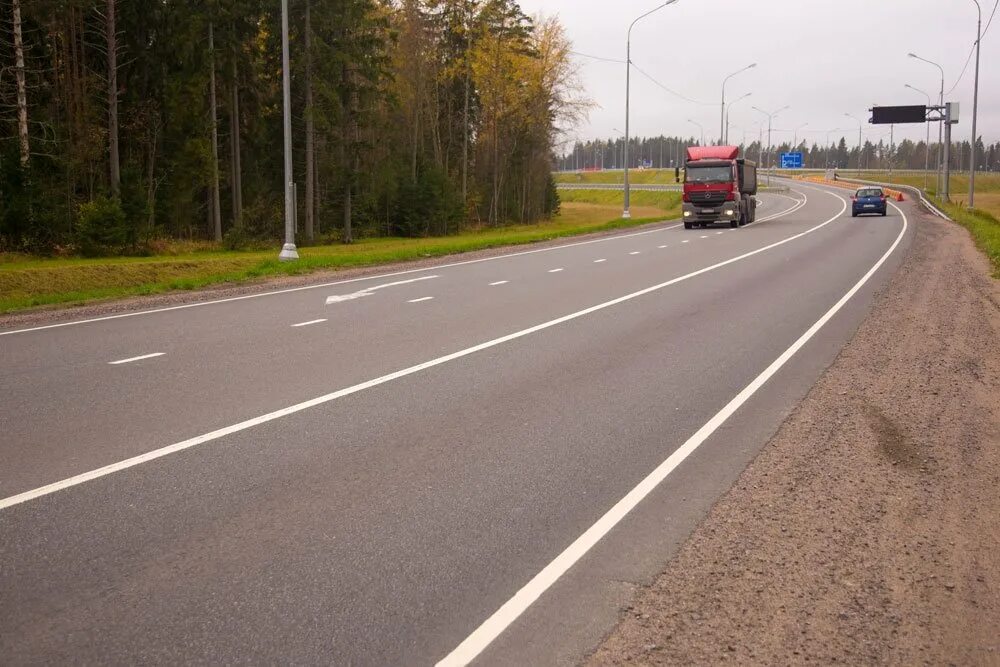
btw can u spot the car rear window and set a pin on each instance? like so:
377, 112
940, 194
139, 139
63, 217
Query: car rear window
870, 192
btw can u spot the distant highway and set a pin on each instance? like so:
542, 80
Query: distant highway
619, 186
476, 460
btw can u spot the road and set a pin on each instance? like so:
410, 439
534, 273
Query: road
366, 471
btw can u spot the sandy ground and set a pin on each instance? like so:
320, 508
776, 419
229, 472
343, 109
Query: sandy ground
868, 530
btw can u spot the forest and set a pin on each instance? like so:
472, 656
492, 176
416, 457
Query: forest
126, 122
666, 152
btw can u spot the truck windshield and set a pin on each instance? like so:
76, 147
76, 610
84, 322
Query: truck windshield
708, 174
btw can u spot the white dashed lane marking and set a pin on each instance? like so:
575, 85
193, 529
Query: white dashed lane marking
139, 358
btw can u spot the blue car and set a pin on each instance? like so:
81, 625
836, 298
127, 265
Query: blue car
868, 200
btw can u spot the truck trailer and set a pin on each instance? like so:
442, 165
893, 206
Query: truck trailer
719, 186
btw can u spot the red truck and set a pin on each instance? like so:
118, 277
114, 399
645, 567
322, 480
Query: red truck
719, 186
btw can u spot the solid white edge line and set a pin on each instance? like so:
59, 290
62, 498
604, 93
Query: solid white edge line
474, 644
326, 398
377, 276
305, 324
139, 358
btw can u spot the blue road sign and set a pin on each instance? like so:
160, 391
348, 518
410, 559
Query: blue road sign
791, 160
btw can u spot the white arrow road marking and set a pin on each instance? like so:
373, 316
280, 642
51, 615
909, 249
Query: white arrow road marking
368, 290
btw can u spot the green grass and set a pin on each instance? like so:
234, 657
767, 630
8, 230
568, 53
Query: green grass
984, 227
665, 200
27, 282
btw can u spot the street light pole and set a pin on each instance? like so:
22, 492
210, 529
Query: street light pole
288, 251
770, 118
725, 136
701, 127
795, 136
722, 113
836, 129
927, 141
975, 105
860, 125
628, 75
940, 184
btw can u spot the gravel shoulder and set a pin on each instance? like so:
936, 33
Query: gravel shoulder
868, 529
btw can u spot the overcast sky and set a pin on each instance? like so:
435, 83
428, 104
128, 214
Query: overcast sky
822, 58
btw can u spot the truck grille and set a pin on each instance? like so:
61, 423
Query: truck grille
710, 198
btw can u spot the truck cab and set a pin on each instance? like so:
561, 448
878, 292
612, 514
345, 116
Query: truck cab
719, 186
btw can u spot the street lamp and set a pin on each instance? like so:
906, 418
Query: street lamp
725, 138
722, 113
795, 136
860, 125
628, 75
620, 134
770, 118
975, 105
288, 251
701, 127
927, 141
836, 129
940, 185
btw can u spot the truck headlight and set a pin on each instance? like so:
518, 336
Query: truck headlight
687, 214
730, 212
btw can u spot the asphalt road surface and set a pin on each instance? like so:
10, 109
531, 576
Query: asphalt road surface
366, 472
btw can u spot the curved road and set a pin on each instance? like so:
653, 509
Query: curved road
366, 471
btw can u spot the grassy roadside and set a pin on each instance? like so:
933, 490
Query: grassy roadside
984, 227
31, 282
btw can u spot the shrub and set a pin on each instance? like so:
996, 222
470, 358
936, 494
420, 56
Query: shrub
101, 227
